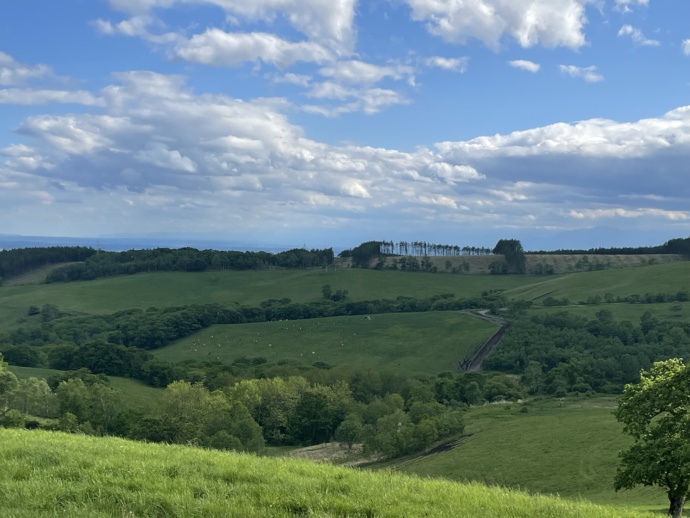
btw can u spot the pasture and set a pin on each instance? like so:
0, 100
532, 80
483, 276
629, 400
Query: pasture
566, 447
102, 296
49, 474
661, 278
410, 343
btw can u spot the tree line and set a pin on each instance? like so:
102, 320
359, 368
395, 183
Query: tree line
679, 246
387, 413
108, 264
422, 248
22, 260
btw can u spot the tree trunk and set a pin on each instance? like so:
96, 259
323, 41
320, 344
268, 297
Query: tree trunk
676, 507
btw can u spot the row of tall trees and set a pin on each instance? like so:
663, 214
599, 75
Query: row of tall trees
422, 248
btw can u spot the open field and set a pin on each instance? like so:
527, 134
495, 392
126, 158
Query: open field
668, 311
251, 287
237, 287
59, 475
136, 393
412, 343
37, 276
566, 447
662, 278
480, 264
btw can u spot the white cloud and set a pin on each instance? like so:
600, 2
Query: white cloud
366, 100
159, 155
327, 22
549, 23
219, 48
624, 5
637, 36
13, 73
245, 165
455, 64
619, 212
523, 64
589, 74
686, 47
33, 97
354, 71
293, 79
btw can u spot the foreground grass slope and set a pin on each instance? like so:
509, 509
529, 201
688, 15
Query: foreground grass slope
566, 447
53, 474
412, 343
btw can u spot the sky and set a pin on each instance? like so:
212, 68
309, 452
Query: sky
332, 122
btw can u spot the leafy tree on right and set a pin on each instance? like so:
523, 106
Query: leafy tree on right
656, 413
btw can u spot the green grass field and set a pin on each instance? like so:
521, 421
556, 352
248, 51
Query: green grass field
671, 311
136, 393
48, 474
242, 287
570, 450
412, 343
662, 278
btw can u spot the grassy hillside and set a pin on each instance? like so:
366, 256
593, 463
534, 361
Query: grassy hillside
52, 474
567, 447
413, 343
230, 287
37, 276
662, 278
135, 392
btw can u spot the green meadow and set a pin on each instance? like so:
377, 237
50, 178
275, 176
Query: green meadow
567, 447
411, 343
166, 289
662, 278
49, 474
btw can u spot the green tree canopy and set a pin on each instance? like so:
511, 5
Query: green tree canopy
514, 254
656, 413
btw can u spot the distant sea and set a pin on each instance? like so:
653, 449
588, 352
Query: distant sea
119, 244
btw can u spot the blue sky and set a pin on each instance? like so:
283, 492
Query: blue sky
332, 122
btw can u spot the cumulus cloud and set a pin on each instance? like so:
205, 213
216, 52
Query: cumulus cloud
355, 71
549, 23
327, 22
32, 97
637, 36
13, 73
219, 48
245, 164
686, 47
589, 74
619, 212
455, 64
293, 79
367, 100
623, 6
523, 64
